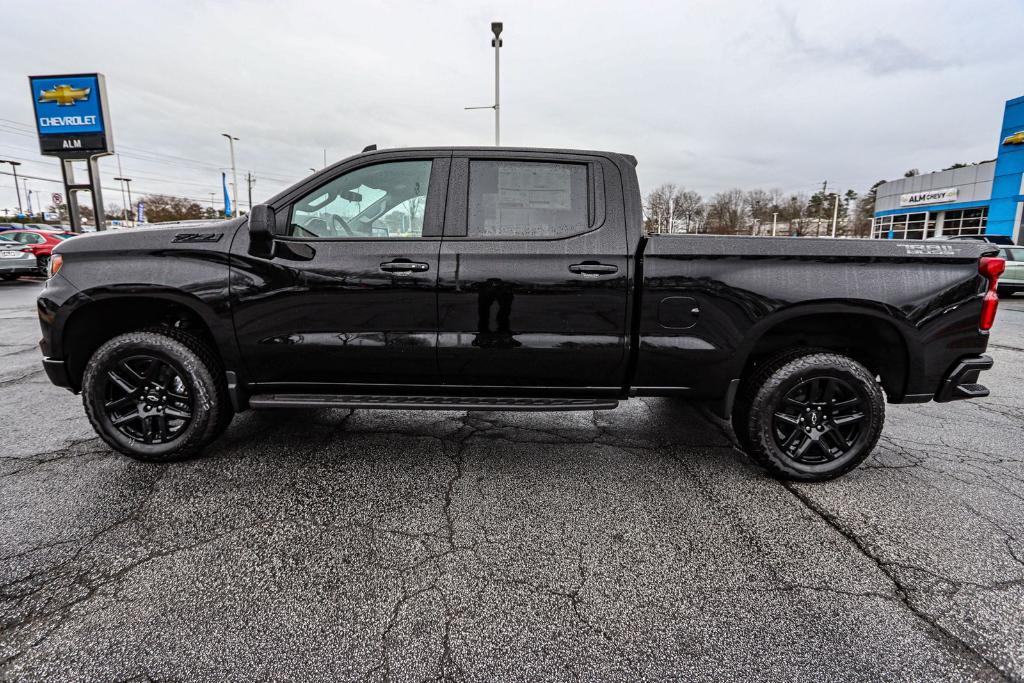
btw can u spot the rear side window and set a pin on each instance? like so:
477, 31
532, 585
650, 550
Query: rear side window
527, 199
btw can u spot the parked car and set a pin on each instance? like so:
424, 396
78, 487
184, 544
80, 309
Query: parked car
16, 260
1012, 281
508, 279
41, 243
48, 227
10, 226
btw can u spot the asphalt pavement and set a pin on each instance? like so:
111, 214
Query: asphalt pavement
625, 545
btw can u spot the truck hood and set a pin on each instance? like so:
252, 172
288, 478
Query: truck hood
184, 235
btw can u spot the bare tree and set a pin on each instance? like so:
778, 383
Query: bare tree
727, 213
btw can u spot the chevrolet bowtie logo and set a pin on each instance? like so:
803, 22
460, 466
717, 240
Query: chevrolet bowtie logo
1015, 139
64, 95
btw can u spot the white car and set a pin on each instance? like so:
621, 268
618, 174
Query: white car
16, 260
1012, 279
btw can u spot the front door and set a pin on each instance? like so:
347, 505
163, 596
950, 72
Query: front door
532, 290
349, 297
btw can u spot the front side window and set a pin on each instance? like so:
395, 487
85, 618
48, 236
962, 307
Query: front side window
383, 200
527, 199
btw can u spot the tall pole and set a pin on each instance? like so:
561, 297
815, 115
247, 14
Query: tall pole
250, 181
835, 216
234, 171
131, 210
28, 196
496, 27
775, 222
17, 189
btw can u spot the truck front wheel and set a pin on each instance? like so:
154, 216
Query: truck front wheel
813, 417
155, 396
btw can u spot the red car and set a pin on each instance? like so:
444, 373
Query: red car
41, 242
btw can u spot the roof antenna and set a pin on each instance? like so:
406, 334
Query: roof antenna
369, 148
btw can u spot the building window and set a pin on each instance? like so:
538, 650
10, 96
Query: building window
965, 222
881, 228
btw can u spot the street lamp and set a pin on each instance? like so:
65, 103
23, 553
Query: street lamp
496, 28
14, 167
234, 172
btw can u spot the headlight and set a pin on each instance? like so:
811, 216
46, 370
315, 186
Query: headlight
56, 261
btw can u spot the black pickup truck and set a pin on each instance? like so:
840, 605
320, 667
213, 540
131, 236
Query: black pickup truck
507, 279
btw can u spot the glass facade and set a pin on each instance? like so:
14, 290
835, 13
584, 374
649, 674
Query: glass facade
917, 226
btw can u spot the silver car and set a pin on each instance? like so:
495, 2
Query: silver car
16, 259
1012, 279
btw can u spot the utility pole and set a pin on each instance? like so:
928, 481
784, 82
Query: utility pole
775, 222
835, 216
250, 181
131, 210
28, 196
234, 171
496, 28
671, 213
325, 158
14, 167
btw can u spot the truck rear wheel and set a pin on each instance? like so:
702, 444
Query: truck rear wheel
154, 395
812, 417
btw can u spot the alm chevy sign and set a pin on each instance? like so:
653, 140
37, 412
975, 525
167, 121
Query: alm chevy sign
943, 196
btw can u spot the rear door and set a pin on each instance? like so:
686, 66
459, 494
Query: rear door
532, 282
349, 297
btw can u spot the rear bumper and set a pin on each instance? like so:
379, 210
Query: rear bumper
961, 381
18, 266
57, 371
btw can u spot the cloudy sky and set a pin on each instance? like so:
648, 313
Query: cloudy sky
708, 95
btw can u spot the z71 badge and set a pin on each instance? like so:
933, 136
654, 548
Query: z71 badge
198, 237
929, 249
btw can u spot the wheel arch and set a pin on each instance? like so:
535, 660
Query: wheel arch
105, 315
874, 337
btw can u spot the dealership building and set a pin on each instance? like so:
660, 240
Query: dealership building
980, 199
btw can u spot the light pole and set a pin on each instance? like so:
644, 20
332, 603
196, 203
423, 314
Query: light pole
496, 28
775, 222
234, 172
14, 167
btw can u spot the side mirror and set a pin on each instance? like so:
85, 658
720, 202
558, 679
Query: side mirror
262, 224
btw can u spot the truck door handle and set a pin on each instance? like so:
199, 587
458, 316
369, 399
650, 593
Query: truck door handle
593, 269
404, 266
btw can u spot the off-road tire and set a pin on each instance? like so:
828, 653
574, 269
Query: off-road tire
756, 421
198, 370
749, 386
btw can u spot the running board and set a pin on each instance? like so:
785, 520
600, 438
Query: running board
427, 402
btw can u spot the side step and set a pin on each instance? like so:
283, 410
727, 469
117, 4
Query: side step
427, 402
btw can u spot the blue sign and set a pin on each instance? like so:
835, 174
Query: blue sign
67, 105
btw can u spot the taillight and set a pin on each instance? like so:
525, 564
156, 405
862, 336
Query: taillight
991, 267
56, 261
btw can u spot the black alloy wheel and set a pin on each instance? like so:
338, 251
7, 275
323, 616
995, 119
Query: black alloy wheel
819, 420
810, 416
147, 399
157, 394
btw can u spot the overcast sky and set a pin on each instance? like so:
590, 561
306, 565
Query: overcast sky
708, 95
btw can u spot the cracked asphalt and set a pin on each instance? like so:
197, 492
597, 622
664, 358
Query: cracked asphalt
634, 544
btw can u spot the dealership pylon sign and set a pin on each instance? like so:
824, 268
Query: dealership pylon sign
73, 124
